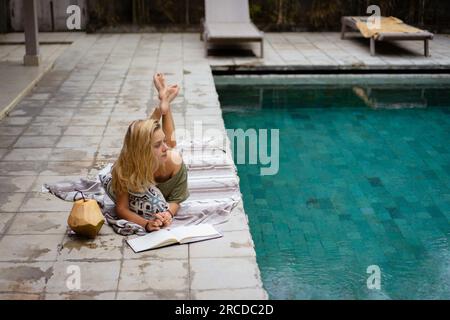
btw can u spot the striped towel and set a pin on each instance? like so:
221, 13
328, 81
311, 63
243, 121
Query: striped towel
212, 181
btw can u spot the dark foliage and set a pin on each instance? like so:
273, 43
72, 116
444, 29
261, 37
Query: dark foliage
269, 15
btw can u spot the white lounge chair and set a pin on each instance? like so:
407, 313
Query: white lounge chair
229, 22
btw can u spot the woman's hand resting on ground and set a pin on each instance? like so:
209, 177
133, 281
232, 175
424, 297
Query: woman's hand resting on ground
162, 219
166, 218
156, 223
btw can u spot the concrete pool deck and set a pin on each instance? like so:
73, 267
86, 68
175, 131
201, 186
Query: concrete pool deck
325, 51
22, 79
73, 123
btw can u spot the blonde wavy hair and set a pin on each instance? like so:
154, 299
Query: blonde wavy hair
135, 168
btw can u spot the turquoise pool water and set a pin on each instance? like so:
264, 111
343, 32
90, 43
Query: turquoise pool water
364, 179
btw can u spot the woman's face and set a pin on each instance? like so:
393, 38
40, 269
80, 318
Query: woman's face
159, 145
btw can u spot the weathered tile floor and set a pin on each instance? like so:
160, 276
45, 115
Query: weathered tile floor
21, 79
73, 123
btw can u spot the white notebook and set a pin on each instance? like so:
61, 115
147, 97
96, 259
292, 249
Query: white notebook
181, 235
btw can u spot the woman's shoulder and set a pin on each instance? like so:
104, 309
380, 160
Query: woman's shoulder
175, 161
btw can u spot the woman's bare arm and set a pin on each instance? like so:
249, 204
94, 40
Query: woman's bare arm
167, 123
156, 114
173, 207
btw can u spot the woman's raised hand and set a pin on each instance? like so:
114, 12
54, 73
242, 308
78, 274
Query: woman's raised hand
160, 84
172, 92
165, 94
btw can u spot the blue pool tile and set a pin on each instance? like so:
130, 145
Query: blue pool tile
356, 186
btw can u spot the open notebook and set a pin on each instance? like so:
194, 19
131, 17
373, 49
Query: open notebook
182, 235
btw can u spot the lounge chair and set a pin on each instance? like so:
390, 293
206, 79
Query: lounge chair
229, 22
391, 28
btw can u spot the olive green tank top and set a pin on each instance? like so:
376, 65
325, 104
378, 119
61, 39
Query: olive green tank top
175, 189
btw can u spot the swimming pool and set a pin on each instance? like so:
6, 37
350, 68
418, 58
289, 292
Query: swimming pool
363, 180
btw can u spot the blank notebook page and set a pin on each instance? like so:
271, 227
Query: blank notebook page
150, 240
201, 230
